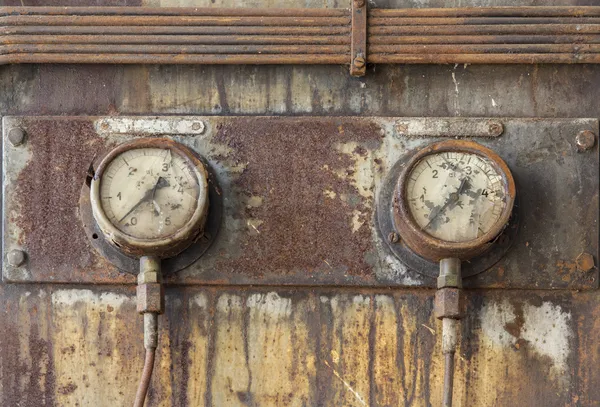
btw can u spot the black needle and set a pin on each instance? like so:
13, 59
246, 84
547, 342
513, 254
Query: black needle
160, 183
452, 198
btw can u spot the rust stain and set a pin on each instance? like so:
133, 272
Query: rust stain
288, 164
61, 153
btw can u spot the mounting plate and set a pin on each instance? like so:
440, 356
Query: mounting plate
300, 196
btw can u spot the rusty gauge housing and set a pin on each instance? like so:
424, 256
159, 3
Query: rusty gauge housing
149, 197
453, 199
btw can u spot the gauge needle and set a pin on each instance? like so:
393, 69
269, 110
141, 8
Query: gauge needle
453, 198
160, 183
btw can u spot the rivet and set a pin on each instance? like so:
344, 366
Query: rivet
16, 135
585, 262
585, 140
16, 257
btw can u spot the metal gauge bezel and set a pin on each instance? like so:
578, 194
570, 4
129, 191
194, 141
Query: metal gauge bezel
163, 247
431, 247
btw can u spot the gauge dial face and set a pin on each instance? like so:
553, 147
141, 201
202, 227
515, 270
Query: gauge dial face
455, 196
149, 193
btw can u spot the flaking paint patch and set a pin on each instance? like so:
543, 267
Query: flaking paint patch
88, 297
545, 329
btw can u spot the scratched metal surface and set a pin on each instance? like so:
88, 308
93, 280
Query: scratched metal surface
222, 346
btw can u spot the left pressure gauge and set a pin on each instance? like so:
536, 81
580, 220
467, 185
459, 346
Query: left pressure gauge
149, 197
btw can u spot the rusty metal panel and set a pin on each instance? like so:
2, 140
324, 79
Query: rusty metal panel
303, 347
327, 172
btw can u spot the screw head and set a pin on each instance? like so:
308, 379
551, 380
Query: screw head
393, 237
585, 262
359, 62
16, 135
585, 140
359, 3
16, 257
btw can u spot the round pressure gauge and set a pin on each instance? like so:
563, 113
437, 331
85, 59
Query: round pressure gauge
452, 200
149, 197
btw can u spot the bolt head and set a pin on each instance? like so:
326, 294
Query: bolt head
585, 262
359, 62
16, 135
495, 129
16, 258
585, 140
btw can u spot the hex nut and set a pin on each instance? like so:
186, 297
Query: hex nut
448, 303
150, 298
585, 262
585, 140
148, 277
16, 136
16, 258
448, 280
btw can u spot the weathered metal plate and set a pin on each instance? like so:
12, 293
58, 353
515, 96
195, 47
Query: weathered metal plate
299, 199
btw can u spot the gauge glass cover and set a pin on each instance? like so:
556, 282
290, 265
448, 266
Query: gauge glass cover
455, 196
149, 193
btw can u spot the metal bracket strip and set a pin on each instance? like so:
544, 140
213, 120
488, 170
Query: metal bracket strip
358, 65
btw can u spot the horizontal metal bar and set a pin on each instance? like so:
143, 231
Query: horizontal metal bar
226, 59
485, 49
175, 30
520, 11
183, 20
174, 49
485, 39
216, 40
176, 11
449, 127
383, 21
534, 29
484, 58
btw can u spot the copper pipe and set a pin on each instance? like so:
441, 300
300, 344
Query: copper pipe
176, 39
448, 379
521, 11
173, 49
227, 59
485, 49
140, 396
173, 21
378, 21
486, 39
534, 29
176, 11
341, 31
484, 58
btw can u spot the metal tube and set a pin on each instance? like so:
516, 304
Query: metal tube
140, 395
521, 11
448, 379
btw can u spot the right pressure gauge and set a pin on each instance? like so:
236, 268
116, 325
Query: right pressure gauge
453, 199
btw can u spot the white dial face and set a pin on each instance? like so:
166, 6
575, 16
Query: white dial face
455, 196
149, 193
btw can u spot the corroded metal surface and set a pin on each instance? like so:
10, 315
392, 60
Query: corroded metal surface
300, 347
302, 192
303, 347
